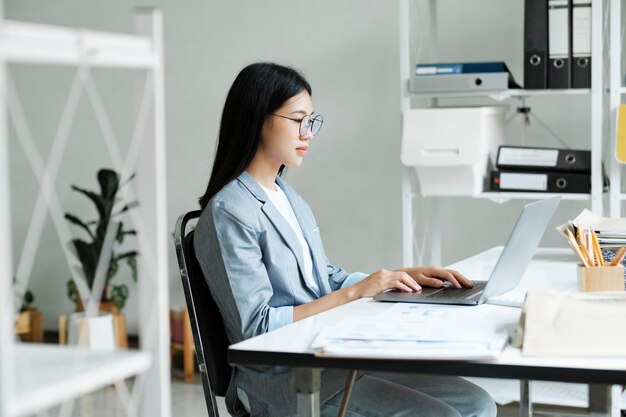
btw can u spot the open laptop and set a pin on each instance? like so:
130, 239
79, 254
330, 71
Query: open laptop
509, 269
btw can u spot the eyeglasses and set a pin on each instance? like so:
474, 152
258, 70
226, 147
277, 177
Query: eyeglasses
315, 123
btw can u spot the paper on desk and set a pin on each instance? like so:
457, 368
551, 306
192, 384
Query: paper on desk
589, 219
408, 349
424, 338
409, 311
416, 329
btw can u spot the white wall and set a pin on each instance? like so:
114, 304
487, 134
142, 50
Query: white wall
348, 50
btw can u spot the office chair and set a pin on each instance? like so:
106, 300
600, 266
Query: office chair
207, 325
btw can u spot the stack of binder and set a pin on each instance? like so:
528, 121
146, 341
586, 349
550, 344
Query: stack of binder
546, 170
557, 44
464, 77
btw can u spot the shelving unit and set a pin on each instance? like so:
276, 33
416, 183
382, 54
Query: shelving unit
48, 374
499, 95
616, 91
599, 119
36, 377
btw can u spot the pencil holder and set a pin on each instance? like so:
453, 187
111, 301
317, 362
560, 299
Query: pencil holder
601, 278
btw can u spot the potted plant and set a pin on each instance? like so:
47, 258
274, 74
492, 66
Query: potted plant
88, 250
29, 322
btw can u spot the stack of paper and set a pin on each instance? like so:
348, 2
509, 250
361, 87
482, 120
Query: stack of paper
419, 338
610, 232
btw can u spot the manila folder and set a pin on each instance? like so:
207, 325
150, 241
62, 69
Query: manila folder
574, 324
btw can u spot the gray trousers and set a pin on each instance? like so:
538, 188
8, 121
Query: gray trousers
378, 394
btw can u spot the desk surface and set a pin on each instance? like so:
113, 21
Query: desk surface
550, 268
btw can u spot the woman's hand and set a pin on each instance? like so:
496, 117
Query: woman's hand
433, 276
383, 280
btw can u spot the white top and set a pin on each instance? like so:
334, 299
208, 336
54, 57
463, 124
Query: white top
280, 201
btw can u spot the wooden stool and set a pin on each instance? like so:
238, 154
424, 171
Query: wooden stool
185, 345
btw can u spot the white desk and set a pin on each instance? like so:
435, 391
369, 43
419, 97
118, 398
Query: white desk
550, 268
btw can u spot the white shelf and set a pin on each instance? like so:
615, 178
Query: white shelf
33, 378
500, 197
47, 375
505, 94
622, 90
34, 43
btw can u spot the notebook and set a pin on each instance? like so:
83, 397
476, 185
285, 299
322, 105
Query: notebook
508, 271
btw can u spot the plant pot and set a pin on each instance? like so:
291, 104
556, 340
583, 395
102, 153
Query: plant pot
105, 306
29, 325
93, 332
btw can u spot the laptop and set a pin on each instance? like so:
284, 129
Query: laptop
509, 268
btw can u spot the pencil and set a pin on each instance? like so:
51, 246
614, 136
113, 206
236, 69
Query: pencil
619, 256
582, 243
596, 247
578, 250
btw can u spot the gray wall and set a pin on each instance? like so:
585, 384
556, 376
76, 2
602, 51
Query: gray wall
348, 50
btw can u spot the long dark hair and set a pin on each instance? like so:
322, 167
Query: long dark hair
259, 90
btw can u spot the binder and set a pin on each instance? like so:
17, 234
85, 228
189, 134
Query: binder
581, 44
535, 44
548, 182
484, 81
543, 159
460, 68
559, 40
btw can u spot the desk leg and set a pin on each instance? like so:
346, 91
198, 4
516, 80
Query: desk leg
308, 391
525, 402
600, 400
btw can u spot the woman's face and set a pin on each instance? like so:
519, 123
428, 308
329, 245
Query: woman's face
281, 143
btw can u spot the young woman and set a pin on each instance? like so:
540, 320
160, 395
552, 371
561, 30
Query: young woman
260, 249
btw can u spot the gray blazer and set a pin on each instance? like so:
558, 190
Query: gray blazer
253, 264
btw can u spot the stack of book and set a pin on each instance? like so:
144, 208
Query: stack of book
549, 170
461, 77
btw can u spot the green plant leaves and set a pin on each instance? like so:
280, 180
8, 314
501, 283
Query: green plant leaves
119, 295
89, 252
109, 183
78, 222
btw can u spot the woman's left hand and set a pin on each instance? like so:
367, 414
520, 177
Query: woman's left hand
434, 276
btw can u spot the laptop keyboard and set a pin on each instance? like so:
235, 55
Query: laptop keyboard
458, 293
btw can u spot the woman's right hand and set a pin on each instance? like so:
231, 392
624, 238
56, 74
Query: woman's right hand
383, 280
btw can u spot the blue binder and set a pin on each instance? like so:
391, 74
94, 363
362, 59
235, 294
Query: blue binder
460, 68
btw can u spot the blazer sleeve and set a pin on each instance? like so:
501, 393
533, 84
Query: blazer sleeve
243, 273
338, 278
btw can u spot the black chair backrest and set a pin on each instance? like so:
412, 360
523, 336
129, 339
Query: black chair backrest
207, 325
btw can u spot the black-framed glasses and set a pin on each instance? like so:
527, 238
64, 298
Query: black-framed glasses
314, 123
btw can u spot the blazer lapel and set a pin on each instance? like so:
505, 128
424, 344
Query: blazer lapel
284, 229
307, 225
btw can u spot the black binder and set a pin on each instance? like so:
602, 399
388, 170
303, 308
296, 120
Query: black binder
559, 43
547, 182
543, 159
581, 44
535, 44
